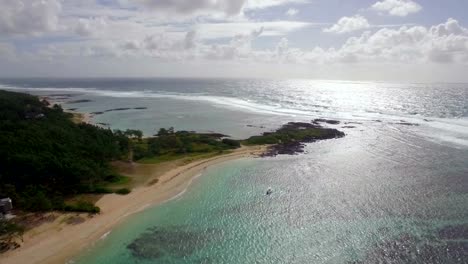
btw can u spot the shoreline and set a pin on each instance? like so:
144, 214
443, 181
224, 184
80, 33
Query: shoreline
59, 243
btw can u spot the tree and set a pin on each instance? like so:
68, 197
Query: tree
132, 133
162, 132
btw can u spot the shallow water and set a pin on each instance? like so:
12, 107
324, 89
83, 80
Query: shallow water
394, 190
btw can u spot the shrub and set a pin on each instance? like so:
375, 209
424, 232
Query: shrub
123, 191
35, 199
231, 142
100, 190
83, 206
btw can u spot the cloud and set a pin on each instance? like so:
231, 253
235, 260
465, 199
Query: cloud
228, 7
190, 40
28, 17
239, 48
443, 43
292, 12
259, 4
271, 28
90, 27
348, 24
206, 7
397, 7
7, 51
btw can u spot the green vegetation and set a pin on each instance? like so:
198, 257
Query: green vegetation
82, 206
169, 145
123, 191
45, 157
117, 179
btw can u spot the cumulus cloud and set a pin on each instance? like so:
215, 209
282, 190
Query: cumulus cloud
209, 7
239, 48
271, 28
292, 12
348, 24
90, 27
28, 17
256, 4
190, 40
397, 7
229, 7
408, 45
443, 43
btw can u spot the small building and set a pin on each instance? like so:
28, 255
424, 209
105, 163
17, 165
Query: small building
6, 206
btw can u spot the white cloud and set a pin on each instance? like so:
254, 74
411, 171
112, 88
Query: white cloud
239, 48
190, 40
258, 4
90, 27
207, 7
397, 7
271, 28
443, 43
348, 24
28, 17
292, 12
229, 7
7, 51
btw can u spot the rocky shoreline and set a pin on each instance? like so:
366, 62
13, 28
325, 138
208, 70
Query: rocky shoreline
295, 145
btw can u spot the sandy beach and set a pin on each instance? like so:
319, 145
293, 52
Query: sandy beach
58, 242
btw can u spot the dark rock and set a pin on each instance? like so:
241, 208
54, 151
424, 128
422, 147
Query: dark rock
404, 123
454, 232
297, 146
62, 95
353, 123
79, 101
179, 242
328, 121
298, 125
118, 109
348, 127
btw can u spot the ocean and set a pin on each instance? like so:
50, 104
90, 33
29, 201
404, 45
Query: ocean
393, 190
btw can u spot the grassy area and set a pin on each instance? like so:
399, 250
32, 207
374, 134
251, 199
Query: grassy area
185, 158
169, 145
116, 183
117, 179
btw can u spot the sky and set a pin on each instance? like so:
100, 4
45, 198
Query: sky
375, 40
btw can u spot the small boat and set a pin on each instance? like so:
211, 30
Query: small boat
269, 191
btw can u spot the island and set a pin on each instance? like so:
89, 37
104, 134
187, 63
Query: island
71, 179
